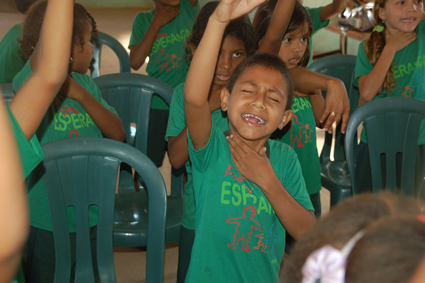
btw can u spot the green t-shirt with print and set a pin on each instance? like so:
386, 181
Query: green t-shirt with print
65, 118
302, 138
166, 61
11, 59
30, 151
409, 68
176, 123
317, 25
239, 238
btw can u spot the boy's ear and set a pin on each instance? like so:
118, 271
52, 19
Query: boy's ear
192, 48
287, 117
224, 95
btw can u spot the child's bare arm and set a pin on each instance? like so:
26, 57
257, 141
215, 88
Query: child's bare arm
162, 16
293, 216
193, 2
108, 123
337, 103
370, 84
52, 51
13, 202
201, 72
278, 24
331, 10
178, 150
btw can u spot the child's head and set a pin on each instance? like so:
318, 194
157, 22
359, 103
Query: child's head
390, 249
295, 47
258, 97
394, 16
238, 42
23, 5
84, 25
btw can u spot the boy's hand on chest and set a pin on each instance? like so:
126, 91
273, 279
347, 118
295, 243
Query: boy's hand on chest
254, 166
72, 89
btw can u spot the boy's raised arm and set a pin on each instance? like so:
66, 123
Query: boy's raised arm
49, 64
278, 25
201, 72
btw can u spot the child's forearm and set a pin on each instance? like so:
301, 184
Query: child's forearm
33, 99
278, 24
318, 105
331, 10
293, 216
178, 151
142, 50
370, 84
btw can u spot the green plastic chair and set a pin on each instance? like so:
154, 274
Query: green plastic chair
81, 172
334, 173
101, 39
8, 92
130, 95
392, 129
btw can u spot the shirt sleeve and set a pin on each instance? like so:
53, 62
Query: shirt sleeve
176, 119
141, 24
315, 18
202, 158
30, 151
363, 66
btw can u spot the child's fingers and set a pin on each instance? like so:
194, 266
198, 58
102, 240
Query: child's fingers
345, 118
238, 144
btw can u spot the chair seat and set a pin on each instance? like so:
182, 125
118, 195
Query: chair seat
336, 179
131, 219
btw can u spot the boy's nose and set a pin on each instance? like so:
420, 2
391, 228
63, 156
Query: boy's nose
258, 101
224, 62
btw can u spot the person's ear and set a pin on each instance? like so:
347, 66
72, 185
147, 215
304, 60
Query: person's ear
381, 14
224, 95
287, 117
192, 48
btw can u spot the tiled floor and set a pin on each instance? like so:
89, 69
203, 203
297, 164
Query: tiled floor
130, 262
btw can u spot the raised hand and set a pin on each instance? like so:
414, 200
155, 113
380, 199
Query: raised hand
244, 157
399, 40
164, 14
228, 10
337, 106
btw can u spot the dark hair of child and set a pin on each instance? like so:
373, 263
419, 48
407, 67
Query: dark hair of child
390, 250
240, 28
32, 27
300, 16
23, 5
268, 61
375, 44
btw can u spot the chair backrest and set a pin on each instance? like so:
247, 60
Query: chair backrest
8, 92
343, 68
131, 94
392, 128
81, 172
101, 39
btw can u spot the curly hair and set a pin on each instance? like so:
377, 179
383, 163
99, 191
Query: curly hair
299, 16
23, 5
389, 223
375, 44
32, 27
240, 28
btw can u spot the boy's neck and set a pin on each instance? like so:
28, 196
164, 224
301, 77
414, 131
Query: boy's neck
256, 145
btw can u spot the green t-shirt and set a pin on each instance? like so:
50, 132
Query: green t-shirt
65, 118
317, 25
176, 123
11, 59
409, 68
166, 60
238, 238
302, 138
30, 151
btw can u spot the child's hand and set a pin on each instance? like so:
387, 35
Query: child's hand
164, 14
228, 10
252, 165
72, 89
399, 40
337, 106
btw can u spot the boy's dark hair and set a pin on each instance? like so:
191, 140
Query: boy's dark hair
389, 223
269, 61
32, 27
299, 16
240, 28
23, 5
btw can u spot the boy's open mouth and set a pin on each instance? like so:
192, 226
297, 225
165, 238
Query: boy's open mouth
223, 78
253, 119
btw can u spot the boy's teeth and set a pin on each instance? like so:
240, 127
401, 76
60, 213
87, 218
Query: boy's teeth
253, 119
